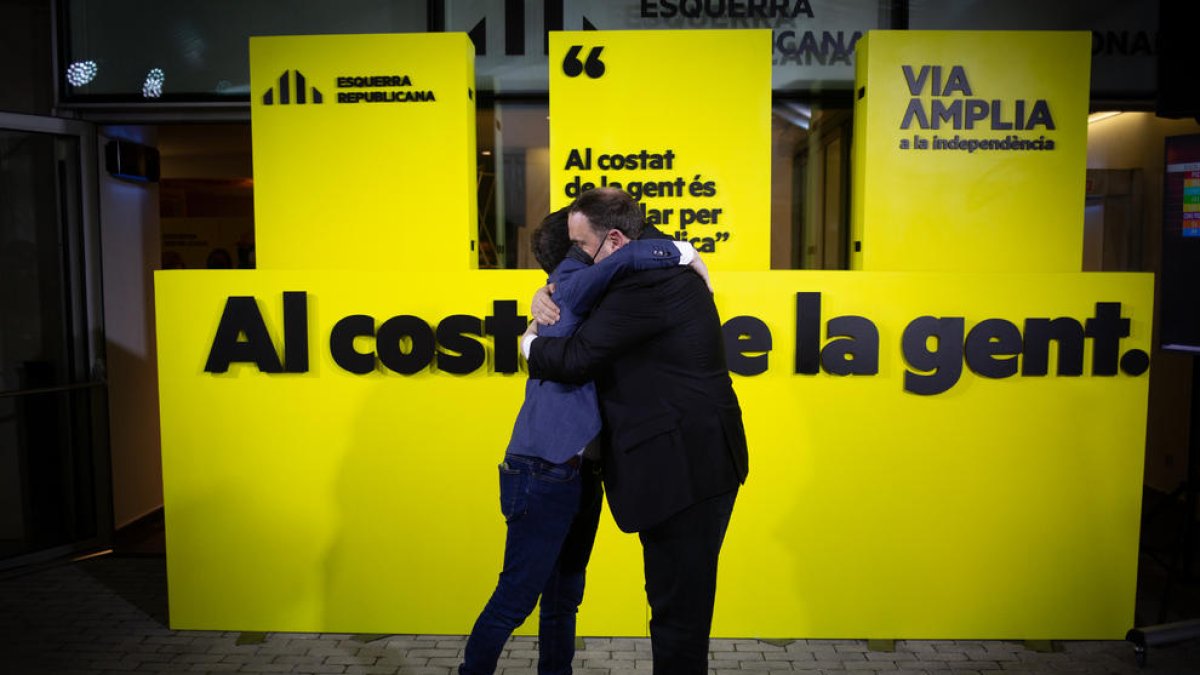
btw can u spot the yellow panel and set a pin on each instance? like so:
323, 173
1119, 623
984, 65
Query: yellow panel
326, 501
329, 499
972, 151
1002, 508
690, 112
381, 173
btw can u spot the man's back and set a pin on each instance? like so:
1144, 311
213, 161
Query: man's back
654, 347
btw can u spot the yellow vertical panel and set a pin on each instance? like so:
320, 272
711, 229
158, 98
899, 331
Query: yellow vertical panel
970, 195
859, 166
380, 174
705, 96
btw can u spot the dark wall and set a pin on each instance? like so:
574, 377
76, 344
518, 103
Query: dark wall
26, 71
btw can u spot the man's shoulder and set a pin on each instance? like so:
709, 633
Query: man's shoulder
566, 268
652, 232
644, 278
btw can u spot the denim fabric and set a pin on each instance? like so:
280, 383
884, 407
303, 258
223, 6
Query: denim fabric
551, 512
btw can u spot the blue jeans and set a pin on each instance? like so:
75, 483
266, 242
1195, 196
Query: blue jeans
551, 511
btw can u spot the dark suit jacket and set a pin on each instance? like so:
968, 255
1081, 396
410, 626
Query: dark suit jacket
672, 423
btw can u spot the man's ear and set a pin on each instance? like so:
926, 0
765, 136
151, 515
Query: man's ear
618, 238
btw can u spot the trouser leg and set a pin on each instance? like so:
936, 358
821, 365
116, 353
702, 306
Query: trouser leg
539, 509
680, 556
564, 589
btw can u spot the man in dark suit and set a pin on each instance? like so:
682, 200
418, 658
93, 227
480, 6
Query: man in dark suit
675, 450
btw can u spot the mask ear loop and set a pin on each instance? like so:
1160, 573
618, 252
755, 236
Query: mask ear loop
602, 240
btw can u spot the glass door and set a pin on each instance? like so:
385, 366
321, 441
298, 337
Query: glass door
54, 466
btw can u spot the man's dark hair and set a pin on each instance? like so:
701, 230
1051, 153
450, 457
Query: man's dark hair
551, 241
610, 209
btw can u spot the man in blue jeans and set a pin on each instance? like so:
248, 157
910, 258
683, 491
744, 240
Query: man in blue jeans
550, 492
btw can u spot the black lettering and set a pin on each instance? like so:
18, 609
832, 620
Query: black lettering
1040, 115
341, 343
915, 82
242, 317
957, 82
1141, 47
1135, 362
405, 329
808, 333
1106, 330
856, 351
1066, 332
1118, 42
745, 335
914, 111
577, 187
457, 353
577, 161
940, 112
838, 43
977, 111
991, 346
506, 327
944, 364
295, 332
998, 122
809, 46
785, 42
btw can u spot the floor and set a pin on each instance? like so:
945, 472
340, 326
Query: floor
108, 614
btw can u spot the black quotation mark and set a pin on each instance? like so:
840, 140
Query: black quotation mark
572, 66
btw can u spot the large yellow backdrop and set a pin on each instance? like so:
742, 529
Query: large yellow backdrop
316, 499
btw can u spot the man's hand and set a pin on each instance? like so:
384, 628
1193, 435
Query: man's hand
543, 308
700, 268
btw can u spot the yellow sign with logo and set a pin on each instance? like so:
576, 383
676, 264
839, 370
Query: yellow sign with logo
364, 151
933, 454
970, 149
